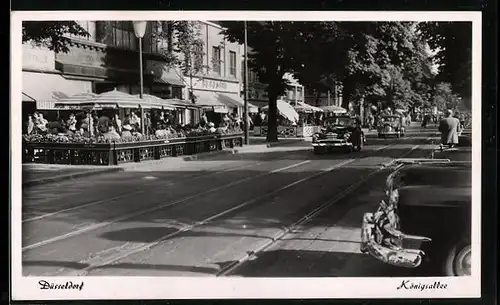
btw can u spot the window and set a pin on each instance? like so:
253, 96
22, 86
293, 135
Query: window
198, 57
160, 39
88, 26
232, 63
216, 59
119, 34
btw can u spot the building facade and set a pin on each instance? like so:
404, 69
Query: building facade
107, 59
219, 84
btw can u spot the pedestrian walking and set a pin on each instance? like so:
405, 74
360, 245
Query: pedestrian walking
449, 127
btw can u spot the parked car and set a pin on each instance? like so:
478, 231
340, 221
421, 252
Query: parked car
340, 132
426, 216
390, 125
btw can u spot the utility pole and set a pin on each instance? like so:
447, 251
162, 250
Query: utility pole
245, 80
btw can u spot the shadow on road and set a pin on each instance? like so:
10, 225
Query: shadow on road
306, 263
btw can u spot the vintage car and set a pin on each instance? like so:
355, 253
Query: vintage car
426, 217
340, 132
390, 125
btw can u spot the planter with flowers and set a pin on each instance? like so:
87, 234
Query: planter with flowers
69, 149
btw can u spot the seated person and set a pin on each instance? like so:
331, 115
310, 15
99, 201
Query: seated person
126, 131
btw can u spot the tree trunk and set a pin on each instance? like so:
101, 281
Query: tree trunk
347, 94
272, 119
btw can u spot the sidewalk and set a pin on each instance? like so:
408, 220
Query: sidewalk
35, 174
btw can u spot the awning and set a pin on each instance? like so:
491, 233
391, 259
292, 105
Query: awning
210, 100
182, 104
306, 108
47, 88
110, 99
286, 110
156, 102
333, 109
27, 98
234, 100
169, 81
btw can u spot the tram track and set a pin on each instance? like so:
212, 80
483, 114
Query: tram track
186, 228
269, 241
249, 255
245, 204
151, 186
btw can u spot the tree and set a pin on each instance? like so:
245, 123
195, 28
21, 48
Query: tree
185, 52
444, 98
272, 45
52, 34
370, 59
452, 42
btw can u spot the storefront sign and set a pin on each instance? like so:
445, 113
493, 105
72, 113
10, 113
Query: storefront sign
82, 57
215, 85
38, 58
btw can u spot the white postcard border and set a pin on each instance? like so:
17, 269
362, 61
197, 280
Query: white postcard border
26, 288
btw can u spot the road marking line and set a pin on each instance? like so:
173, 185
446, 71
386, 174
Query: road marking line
195, 176
294, 226
100, 225
206, 220
81, 206
155, 208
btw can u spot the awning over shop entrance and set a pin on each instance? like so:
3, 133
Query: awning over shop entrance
46, 88
210, 100
286, 110
235, 101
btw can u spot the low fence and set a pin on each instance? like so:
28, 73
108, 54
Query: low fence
289, 131
118, 153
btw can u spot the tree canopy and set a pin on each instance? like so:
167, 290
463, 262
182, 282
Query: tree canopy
453, 44
387, 63
52, 34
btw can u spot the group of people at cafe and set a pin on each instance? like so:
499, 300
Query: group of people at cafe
109, 124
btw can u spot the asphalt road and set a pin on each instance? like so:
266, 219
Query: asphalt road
229, 215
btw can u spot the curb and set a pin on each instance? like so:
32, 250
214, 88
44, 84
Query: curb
285, 142
206, 155
71, 176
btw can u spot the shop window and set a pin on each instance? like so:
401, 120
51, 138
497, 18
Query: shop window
232, 63
216, 60
177, 92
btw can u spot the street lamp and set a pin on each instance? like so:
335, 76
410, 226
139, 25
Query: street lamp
139, 31
245, 76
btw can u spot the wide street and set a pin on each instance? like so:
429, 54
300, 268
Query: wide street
285, 212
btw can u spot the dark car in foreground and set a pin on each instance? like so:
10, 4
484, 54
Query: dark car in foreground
426, 217
340, 132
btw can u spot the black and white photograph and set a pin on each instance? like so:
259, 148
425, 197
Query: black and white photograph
222, 154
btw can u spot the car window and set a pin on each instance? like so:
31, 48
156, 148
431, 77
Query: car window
339, 121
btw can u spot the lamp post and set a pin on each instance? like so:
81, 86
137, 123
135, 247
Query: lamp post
245, 76
139, 31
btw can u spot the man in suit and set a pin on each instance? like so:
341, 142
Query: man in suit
449, 127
